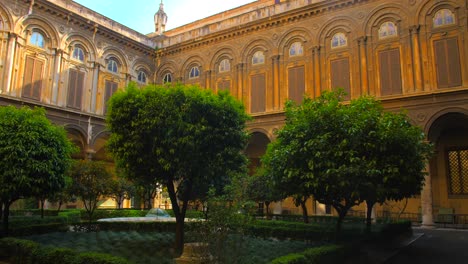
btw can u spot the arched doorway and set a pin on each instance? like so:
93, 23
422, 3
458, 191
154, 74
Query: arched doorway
449, 166
256, 149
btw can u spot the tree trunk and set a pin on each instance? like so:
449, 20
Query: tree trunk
59, 206
267, 205
370, 205
1, 209
402, 209
179, 214
42, 201
6, 214
305, 216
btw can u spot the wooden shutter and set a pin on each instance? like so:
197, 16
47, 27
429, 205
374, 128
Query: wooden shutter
296, 84
390, 72
258, 90
75, 88
111, 88
32, 81
28, 77
340, 77
447, 59
37, 79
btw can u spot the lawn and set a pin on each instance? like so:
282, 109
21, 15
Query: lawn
154, 247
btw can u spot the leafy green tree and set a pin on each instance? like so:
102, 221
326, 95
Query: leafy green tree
91, 182
182, 137
399, 153
121, 189
261, 188
63, 196
334, 151
34, 156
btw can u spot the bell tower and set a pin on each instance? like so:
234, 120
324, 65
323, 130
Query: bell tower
160, 19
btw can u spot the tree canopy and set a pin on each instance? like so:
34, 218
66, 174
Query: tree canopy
339, 153
34, 155
91, 181
182, 137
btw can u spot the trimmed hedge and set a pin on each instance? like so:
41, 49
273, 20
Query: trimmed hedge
37, 229
28, 252
111, 213
328, 254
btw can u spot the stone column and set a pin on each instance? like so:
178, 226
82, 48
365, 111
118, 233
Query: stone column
208, 80
240, 81
276, 79
363, 65
10, 61
426, 200
316, 54
128, 78
57, 71
94, 87
418, 82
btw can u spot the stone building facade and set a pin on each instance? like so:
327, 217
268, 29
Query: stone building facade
410, 54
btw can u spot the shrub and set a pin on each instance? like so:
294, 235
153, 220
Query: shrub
294, 258
27, 252
111, 213
37, 229
54, 255
99, 258
394, 229
329, 254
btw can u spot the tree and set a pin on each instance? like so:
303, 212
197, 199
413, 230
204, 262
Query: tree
63, 196
261, 188
34, 156
91, 181
121, 189
400, 153
337, 153
182, 137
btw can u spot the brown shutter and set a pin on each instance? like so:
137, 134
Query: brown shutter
296, 84
390, 72
453, 55
257, 93
28, 76
447, 59
37, 79
79, 89
107, 94
340, 76
111, 88
72, 77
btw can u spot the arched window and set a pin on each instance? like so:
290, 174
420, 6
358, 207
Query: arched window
167, 78
339, 40
37, 39
78, 53
258, 58
112, 65
141, 76
443, 17
194, 72
387, 29
225, 66
296, 49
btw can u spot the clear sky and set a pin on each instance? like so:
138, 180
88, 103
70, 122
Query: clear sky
139, 14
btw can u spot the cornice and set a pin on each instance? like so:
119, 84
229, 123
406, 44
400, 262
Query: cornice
93, 27
277, 20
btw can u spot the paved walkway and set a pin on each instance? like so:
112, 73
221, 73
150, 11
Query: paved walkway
430, 246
